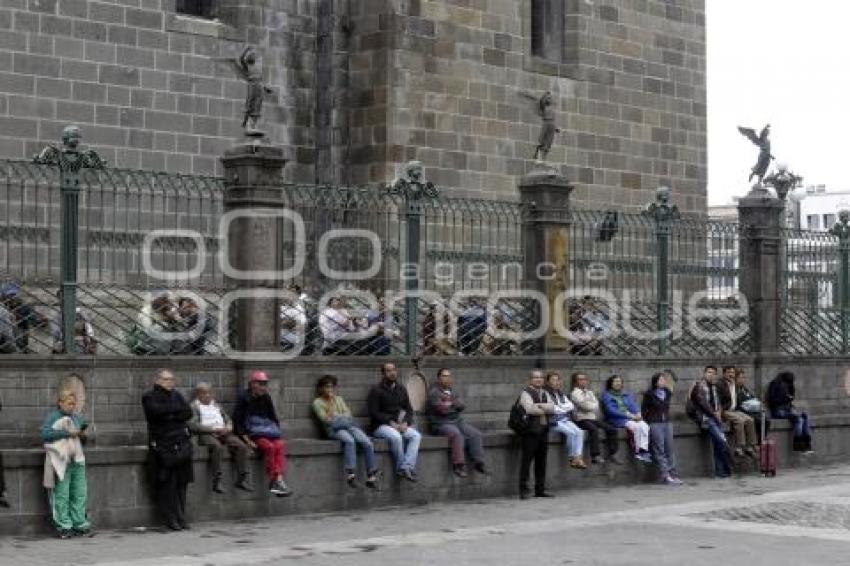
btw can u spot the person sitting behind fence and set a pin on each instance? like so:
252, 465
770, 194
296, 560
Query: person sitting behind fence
293, 323
24, 316
622, 412
386, 329
471, 324
780, 400
590, 324
340, 333
200, 325
335, 417
505, 319
8, 330
84, 338
214, 429
655, 409
152, 334
562, 420
62, 432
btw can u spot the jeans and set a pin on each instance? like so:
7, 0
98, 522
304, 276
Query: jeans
462, 437
800, 422
350, 438
574, 437
722, 463
404, 457
661, 446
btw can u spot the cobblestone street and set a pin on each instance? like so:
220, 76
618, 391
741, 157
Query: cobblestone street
801, 517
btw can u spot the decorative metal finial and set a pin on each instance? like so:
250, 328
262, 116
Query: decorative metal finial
783, 181
70, 158
663, 210
413, 186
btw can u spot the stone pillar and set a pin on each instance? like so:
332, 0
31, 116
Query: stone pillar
761, 265
547, 237
253, 178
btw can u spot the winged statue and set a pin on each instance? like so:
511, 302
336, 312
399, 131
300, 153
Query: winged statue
762, 141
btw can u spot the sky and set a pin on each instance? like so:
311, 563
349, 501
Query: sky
782, 62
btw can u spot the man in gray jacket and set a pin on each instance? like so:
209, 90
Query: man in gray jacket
535, 441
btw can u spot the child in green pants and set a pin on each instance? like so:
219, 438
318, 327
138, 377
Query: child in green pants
62, 432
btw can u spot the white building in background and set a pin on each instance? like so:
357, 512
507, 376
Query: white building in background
819, 207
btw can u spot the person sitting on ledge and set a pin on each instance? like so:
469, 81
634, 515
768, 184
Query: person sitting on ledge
622, 412
391, 418
562, 422
65, 467
780, 401
703, 406
655, 409
587, 419
255, 421
335, 416
444, 410
213, 428
741, 424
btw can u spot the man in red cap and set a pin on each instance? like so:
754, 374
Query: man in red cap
255, 421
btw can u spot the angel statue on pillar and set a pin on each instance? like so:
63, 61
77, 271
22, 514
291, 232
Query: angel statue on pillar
762, 141
549, 129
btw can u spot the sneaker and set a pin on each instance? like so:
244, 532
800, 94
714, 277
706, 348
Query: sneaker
751, 452
279, 489
597, 460
84, 533
244, 483
670, 480
408, 475
217, 485
577, 463
372, 480
643, 457
459, 470
351, 479
482, 469
65, 534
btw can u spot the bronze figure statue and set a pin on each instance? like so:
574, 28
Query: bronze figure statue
549, 129
247, 67
762, 141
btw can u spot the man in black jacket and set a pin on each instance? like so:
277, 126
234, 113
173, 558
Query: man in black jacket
704, 402
392, 419
167, 414
255, 421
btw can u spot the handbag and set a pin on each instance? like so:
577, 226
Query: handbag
519, 421
173, 453
262, 427
751, 405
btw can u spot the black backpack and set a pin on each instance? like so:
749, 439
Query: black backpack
519, 421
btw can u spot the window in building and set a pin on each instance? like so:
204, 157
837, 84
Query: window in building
813, 222
547, 29
197, 8
828, 221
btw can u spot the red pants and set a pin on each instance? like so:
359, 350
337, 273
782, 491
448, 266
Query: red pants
274, 455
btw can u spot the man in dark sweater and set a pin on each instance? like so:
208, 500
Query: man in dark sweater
392, 419
255, 421
705, 409
167, 414
444, 409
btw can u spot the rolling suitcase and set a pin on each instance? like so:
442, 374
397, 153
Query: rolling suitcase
767, 452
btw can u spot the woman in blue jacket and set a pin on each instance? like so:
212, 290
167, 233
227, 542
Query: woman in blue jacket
621, 411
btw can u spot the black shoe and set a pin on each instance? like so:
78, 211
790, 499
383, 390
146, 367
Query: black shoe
174, 525
184, 525
459, 470
83, 533
280, 489
408, 475
524, 494
482, 469
216, 486
543, 493
65, 534
244, 483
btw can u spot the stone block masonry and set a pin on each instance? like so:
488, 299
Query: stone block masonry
361, 87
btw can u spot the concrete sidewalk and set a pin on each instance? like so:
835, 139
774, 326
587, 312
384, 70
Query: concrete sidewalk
748, 521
